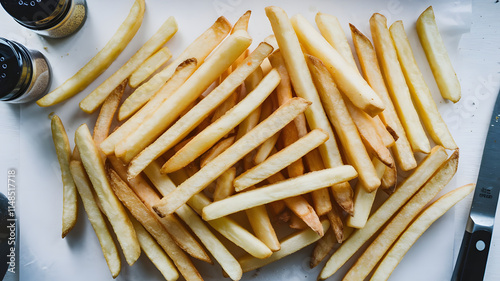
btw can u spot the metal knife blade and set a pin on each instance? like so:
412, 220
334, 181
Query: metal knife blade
473, 255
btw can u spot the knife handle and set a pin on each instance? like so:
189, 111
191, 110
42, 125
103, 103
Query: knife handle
473, 255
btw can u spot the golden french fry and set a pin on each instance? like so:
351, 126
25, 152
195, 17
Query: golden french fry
262, 227
402, 194
153, 226
216, 150
285, 189
90, 103
280, 160
70, 197
200, 111
395, 80
343, 124
437, 56
347, 78
363, 200
211, 242
422, 97
285, 114
101, 61
154, 62
84, 187
198, 49
181, 74
187, 93
155, 253
224, 187
213, 133
114, 211
372, 255
370, 67
417, 228
289, 245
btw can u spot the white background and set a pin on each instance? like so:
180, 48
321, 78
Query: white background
26, 144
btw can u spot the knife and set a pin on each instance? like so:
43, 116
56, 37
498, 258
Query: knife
473, 255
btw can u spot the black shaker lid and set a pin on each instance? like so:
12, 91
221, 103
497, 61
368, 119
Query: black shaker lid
37, 14
12, 65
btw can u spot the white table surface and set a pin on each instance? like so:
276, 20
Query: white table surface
26, 144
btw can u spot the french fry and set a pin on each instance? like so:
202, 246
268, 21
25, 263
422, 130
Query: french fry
211, 242
100, 62
155, 253
387, 138
153, 226
242, 22
198, 49
422, 97
437, 56
323, 247
395, 80
84, 187
216, 150
347, 78
402, 194
70, 197
90, 103
289, 245
149, 66
344, 126
182, 237
371, 71
285, 114
280, 160
321, 198
285, 189
210, 70
417, 228
107, 113
200, 111
251, 82
334, 216
372, 255
112, 208
224, 186
213, 133
363, 200
181, 74
262, 227
266, 149
389, 179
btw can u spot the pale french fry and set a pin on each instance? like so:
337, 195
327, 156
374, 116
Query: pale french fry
70, 197
225, 226
321, 198
216, 150
153, 226
363, 200
372, 255
107, 113
224, 187
437, 56
251, 82
344, 126
187, 93
347, 78
149, 66
280, 160
155, 253
181, 74
282, 116
422, 97
213, 133
112, 208
323, 247
371, 71
182, 237
262, 227
395, 80
90, 103
417, 228
387, 138
402, 194
100, 62
200, 111
285, 189
198, 49
266, 149
242, 22
84, 187
289, 245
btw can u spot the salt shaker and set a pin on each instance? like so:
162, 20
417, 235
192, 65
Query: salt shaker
24, 74
50, 18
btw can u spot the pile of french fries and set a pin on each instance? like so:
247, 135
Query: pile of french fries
269, 150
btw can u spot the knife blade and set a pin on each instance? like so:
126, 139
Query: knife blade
473, 254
